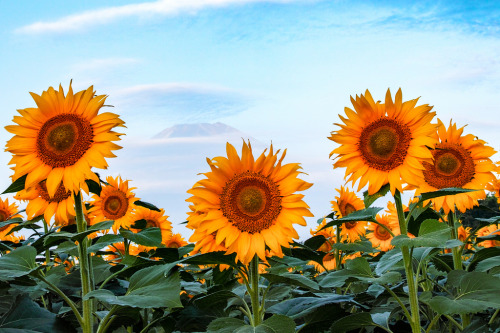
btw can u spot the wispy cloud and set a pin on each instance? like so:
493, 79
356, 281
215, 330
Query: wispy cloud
92, 18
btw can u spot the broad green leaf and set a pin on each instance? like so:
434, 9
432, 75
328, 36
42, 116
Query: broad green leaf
488, 264
105, 225
477, 291
481, 255
444, 192
147, 237
432, 234
225, 325
302, 306
370, 199
11, 221
359, 246
367, 214
18, 263
216, 299
104, 241
275, 324
28, 317
359, 269
352, 322
293, 279
16, 186
307, 254
389, 260
279, 324
315, 242
93, 186
418, 216
211, 258
146, 205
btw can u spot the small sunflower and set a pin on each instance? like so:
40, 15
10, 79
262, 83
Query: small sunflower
494, 186
343, 205
384, 143
61, 204
176, 241
249, 203
458, 161
154, 219
62, 139
119, 252
7, 212
329, 259
116, 203
490, 230
379, 236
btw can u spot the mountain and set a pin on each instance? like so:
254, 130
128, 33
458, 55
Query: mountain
199, 130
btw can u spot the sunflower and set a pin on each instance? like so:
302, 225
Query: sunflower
7, 212
384, 143
154, 219
379, 236
329, 260
458, 161
176, 241
119, 252
249, 203
62, 139
494, 186
343, 205
61, 204
490, 230
116, 203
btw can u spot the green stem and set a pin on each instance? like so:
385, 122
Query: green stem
432, 323
337, 251
81, 224
454, 322
107, 320
407, 259
457, 258
493, 317
401, 304
254, 291
58, 291
47, 251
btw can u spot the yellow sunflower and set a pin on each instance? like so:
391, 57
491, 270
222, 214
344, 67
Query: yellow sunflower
61, 204
494, 186
458, 161
490, 230
384, 143
154, 219
7, 212
379, 236
62, 139
176, 241
329, 259
343, 205
119, 252
249, 203
116, 203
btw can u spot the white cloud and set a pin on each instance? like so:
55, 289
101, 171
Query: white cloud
91, 18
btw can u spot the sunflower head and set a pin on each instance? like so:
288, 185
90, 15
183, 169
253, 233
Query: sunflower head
154, 219
461, 161
384, 143
492, 229
494, 186
343, 205
175, 241
248, 204
7, 212
62, 139
116, 202
379, 236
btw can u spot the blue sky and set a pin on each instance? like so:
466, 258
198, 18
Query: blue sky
278, 70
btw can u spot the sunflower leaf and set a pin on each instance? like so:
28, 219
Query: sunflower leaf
105, 225
367, 214
104, 241
432, 234
16, 186
370, 199
93, 186
147, 237
299, 307
293, 279
146, 205
352, 322
444, 192
18, 262
211, 258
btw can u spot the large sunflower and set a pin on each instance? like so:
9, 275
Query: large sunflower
116, 203
154, 219
61, 204
458, 161
62, 139
384, 143
343, 205
7, 212
249, 203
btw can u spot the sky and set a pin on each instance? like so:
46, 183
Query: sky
279, 70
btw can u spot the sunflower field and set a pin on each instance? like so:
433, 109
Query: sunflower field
87, 255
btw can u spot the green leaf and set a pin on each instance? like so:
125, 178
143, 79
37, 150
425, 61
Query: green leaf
28, 317
359, 246
293, 279
488, 264
367, 214
389, 260
105, 225
16, 186
211, 258
444, 192
299, 307
419, 215
147, 237
225, 325
216, 299
149, 288
275, 324
146, 205
18, 263
432, 234
352, 322
481, 255
104, 241
93, 186
315, 242
279, 324
370, 199
11, 221
477, 291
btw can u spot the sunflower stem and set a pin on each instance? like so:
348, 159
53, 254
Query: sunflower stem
337, 250
407, 259
47, 250
254, 291
87, 305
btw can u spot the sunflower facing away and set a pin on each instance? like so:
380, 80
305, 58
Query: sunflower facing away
116, 203
7, 212
343, 205
154, 219
384, 143
379, 236
249, 203
61, 204
62, 139
458, 161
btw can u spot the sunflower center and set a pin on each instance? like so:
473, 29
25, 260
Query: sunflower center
3, 217
382, 233
384, 143
174, 245
453, 166
350, 225
115, 205
64, 139
60, 195
251, 202
151, 223
348, 209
